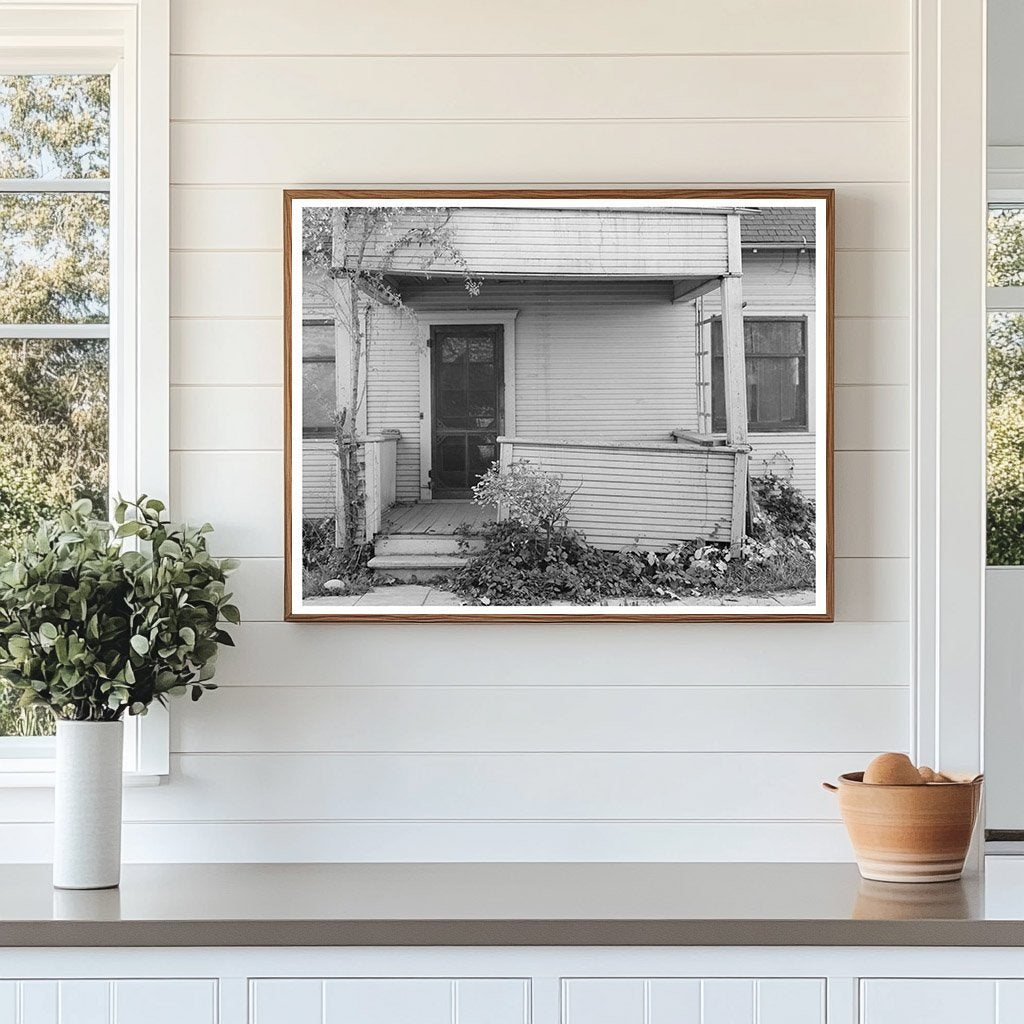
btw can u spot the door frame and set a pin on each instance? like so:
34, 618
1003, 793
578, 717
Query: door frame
506, 319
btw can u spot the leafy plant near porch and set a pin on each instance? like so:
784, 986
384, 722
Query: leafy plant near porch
91, 631
348, 255
529, 495
534, 558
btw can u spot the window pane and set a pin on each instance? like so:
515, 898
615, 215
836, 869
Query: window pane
1006, 246
318, 341
318, 396
1005, 439
54, 126
776, 367
54, 258
53, 449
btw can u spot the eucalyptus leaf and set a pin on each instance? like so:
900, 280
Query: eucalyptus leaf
93, 631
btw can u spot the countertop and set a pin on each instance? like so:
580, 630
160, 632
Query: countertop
510, 904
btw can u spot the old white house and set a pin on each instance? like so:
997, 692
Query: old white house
654, 358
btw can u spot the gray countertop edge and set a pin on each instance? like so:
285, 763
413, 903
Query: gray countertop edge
255, 933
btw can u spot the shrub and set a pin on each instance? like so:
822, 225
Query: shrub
520, 565
780, 506
349, 565
529, 495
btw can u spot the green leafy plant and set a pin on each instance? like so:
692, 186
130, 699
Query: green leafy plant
91, 630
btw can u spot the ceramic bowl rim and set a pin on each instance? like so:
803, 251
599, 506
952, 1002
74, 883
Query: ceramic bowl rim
857, 779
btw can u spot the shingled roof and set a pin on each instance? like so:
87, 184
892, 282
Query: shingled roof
778, 226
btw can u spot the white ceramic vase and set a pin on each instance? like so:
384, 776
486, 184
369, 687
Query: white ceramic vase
87, 809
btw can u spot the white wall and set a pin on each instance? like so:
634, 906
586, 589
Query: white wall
632, 741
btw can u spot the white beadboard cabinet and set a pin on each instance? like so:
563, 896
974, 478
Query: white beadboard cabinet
693, 1001
107, 1001
513, 985
942, 1001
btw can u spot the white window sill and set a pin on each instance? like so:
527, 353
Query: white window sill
38, 773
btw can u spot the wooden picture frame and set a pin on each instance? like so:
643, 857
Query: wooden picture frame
639, 482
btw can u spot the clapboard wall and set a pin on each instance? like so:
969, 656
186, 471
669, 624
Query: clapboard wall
633, 741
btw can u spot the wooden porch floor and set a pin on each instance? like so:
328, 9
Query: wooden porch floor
442, 518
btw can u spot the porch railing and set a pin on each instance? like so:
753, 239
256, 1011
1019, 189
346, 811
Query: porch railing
380, 467
644, 495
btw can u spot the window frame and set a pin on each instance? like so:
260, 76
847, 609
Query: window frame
130, 41
328, 430
705, 383
759, 428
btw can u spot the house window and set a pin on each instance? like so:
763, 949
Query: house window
83, 274
54, 307
319, 404
1005, 470
776, 351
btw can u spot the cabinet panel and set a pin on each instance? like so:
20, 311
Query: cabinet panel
101, 1001
492, 1001
675, 1000
693, 1001
603, 1001
8, 1002
280, 1000
728, 1001
388, 1001
164, 1002
929, 1001
39, 1003
84, 1002
787, 1000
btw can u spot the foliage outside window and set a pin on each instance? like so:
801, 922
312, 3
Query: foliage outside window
776, 357
1005, 477
54, 308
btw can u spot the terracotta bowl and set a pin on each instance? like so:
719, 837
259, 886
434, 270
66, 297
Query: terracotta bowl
909, 833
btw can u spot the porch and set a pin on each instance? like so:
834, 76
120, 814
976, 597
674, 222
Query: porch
568, 363
429, 538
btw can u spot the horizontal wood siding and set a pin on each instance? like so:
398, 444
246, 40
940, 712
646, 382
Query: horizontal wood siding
393, 393
789, 456
393, 747
600, 361
773, 280
319, 477
635, 497
590, 243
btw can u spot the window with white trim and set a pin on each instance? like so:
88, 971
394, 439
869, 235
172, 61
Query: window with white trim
83, 263
1005, 471
54, 310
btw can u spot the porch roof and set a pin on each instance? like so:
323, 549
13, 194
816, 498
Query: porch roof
688, 245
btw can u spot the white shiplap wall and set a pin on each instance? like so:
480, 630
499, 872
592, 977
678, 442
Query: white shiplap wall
689, 741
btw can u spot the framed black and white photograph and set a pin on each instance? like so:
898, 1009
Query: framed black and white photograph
558, 405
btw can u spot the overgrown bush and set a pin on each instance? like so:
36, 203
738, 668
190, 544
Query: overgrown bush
779, 504
534, 558
520, 564
529, 495
345, 566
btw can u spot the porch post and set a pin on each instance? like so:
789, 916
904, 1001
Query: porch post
733, 351
344, 351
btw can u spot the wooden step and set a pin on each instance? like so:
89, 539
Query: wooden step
425, 544
419, 567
